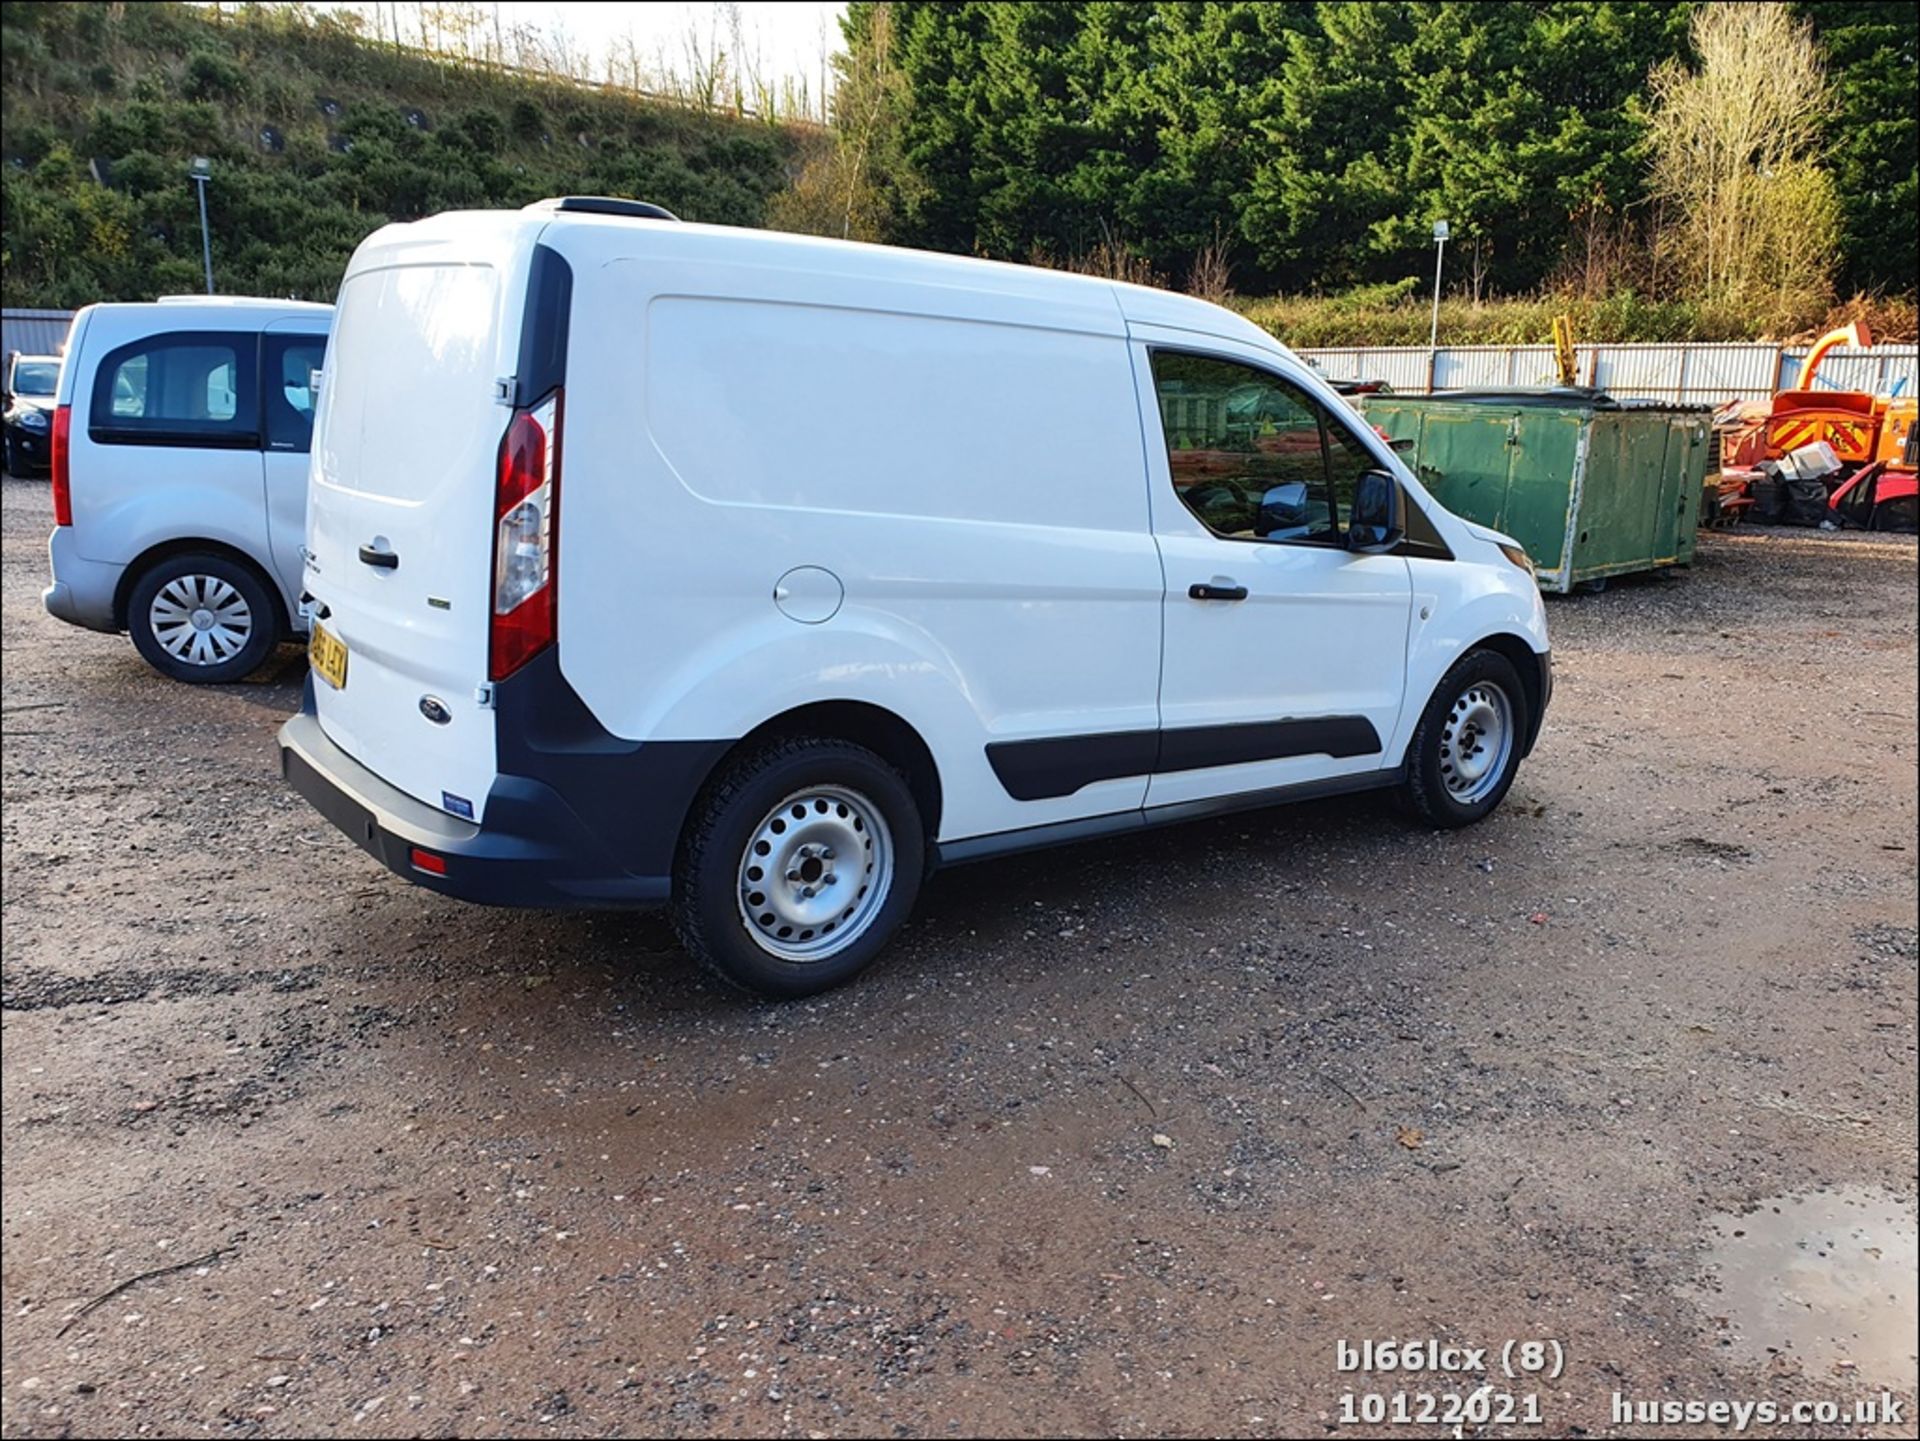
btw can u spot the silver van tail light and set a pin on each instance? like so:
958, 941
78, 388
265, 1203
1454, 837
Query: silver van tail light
525, 538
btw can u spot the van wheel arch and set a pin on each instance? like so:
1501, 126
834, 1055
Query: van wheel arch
130, 576
878, 729
1525, 661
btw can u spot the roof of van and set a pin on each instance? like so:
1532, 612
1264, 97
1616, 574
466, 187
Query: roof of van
853, 260
212, 312
241, 302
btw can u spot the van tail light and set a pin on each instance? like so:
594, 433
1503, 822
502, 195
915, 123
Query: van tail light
525, 538
62, 470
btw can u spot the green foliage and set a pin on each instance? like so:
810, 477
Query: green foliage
213, 77
484, 130
526, 120
1391, 315
1321, 140
146, 87
1873, 137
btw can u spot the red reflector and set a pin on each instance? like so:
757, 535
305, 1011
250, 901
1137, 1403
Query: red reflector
427, 861
62, 479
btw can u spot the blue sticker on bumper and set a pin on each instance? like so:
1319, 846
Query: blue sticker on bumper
457, 805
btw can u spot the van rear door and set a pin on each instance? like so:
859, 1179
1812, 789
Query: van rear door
400, 517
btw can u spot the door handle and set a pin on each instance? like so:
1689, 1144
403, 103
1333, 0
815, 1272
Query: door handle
1200, 590
381, 559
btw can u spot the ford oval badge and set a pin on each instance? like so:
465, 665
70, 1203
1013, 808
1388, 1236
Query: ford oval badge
435, 709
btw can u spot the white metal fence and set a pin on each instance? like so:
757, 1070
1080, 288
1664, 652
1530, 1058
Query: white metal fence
32, 332
1694, 373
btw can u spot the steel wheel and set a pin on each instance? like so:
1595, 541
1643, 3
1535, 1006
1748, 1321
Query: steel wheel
200, 620
1476, 742
815, 873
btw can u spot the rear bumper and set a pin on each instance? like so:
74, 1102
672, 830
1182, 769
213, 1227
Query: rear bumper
83, 590
533, 849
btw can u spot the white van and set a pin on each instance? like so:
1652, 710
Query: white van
180, 437
759, 574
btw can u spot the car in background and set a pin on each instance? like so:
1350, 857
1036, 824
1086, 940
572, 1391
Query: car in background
180, 433
31, 381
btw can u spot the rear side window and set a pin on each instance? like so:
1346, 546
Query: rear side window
184, 388
293, 368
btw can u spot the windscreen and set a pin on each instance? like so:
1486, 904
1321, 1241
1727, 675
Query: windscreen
36, 377
408, 381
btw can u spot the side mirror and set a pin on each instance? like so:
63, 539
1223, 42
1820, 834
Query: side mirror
1282, 509
1379, 519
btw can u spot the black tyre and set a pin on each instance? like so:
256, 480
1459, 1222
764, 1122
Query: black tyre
798, 864
1466, 748
203, 618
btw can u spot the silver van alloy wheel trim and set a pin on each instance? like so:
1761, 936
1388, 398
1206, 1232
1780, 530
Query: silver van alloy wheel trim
1476, 742
815, 873
200, 619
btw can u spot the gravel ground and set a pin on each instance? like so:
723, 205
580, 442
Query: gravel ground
1120, 1139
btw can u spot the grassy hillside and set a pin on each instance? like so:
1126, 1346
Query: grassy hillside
316, 136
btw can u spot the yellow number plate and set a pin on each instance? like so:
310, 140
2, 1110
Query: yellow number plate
329, 656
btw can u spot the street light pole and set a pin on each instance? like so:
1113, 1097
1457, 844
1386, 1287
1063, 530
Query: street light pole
1439, 252
202, 171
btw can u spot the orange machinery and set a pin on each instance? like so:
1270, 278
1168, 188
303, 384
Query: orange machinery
1885, 494
1849, 421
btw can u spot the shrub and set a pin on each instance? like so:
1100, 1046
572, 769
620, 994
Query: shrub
211, 77
484, 130
527, 120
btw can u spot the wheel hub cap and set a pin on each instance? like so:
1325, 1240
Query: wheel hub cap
1476, 742
815, 873
200, 619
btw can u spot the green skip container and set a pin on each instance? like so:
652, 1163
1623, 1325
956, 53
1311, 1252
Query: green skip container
1593, 487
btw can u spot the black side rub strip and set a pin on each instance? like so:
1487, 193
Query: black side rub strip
1037, 770
1198, 747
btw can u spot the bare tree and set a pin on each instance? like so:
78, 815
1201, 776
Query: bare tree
1211, 275
704, 80
1736, 147
874, 89
855, 181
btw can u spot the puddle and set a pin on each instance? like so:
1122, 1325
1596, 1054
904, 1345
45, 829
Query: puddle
1821, 1278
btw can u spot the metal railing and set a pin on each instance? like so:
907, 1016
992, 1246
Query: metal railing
1696, 373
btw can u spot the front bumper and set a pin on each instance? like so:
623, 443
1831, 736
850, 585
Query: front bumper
533, 850
31, 450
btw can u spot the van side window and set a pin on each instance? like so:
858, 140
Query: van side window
1254, 456
292, 364
187, 388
